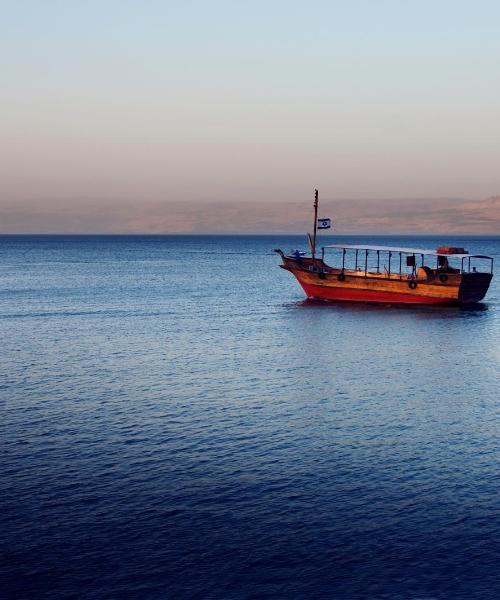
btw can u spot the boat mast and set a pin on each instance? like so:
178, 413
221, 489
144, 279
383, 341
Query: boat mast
315, 225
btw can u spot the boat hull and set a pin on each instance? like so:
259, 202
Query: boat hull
320, 292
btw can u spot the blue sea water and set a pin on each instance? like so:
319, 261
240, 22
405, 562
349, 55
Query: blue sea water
178, 423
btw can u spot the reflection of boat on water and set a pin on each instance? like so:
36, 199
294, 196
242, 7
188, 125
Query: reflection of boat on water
386, 274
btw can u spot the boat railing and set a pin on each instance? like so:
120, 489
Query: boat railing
369, 262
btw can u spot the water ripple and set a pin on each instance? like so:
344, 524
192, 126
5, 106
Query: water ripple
177, 422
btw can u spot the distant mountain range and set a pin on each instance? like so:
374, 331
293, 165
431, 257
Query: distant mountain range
443, 215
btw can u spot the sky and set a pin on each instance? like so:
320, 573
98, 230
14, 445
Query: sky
143, 116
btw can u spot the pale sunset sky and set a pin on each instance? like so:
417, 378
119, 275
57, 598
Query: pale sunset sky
158, 116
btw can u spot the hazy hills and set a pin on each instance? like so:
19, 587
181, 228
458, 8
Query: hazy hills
349, 216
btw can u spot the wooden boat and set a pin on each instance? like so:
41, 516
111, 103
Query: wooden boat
390, 275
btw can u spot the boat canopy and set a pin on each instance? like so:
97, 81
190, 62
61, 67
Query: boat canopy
404, 250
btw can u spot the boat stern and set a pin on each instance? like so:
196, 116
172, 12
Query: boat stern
473, 287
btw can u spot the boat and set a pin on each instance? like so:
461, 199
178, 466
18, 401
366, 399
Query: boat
386, 274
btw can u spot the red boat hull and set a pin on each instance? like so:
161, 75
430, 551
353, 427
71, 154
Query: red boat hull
356, 295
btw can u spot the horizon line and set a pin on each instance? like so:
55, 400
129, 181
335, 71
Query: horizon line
242, 234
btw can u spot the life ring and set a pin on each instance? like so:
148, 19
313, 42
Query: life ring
443, 278
412, 285
341, 277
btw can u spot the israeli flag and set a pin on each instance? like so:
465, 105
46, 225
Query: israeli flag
324, 223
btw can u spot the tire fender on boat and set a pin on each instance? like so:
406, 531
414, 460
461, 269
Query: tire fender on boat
443, 278
341, 277
412, 285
